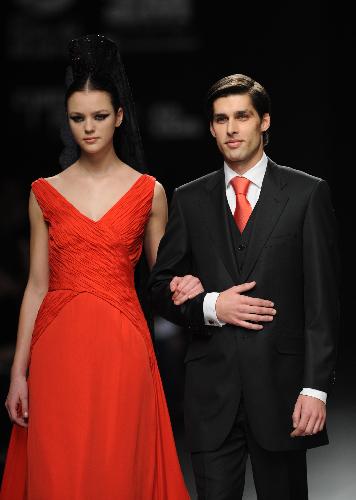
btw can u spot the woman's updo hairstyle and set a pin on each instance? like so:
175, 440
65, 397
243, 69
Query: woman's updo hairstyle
95, 64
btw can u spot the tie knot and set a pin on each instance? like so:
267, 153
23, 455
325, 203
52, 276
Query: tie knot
240, 185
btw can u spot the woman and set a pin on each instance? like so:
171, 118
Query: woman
96, 425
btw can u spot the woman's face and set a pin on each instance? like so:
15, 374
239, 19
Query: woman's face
92, 119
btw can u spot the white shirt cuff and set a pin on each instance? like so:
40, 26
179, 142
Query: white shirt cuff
209, 310
314, 393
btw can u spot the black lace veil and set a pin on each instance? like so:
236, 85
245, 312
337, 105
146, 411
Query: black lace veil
96, 54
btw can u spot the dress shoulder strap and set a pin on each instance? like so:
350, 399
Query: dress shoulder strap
150, 183
43, 196
146, 191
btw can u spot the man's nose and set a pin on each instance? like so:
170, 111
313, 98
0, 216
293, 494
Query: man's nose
231, 126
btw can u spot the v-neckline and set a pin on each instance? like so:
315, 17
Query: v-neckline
70, 204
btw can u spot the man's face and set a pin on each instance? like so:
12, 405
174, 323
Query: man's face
238, 130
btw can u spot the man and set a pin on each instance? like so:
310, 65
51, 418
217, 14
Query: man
268, 230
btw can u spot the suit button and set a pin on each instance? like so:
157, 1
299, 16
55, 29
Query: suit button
241, 247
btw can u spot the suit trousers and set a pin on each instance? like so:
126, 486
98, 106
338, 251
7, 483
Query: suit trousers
220, 474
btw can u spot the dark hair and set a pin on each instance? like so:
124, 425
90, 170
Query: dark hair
95, 64
240, 84
93, 81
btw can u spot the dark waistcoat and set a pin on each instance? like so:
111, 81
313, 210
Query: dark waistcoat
240, 241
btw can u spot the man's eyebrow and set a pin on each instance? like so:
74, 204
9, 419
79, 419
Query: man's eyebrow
242, 112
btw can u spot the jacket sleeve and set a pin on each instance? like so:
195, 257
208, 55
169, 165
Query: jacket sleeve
174, 259
321, 289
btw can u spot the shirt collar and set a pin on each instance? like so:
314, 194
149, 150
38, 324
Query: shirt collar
255, 174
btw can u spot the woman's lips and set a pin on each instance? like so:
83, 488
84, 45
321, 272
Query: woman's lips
90, 140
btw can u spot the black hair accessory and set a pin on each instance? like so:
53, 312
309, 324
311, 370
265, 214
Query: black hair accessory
97, 55
92, 54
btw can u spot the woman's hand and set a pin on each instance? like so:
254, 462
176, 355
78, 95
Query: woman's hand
184, 288
17, 401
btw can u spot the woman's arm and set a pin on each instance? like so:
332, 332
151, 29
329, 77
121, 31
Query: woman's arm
156, 225
36, 289
182, 287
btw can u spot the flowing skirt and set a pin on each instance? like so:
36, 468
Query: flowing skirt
99, 427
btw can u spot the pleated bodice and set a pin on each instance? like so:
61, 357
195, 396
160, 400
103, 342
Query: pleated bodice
96, 257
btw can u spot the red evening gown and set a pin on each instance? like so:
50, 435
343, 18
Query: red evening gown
99, 427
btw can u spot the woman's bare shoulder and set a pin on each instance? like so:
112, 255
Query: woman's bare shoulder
57, 179
130, 173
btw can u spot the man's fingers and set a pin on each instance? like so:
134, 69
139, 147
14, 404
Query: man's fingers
310, 425
319, 426
314, 425
245, 287
297, 413
264, 311
255, 317
255, 302
300, 429
312, 416
247, 324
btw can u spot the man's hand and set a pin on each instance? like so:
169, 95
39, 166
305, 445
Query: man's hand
184, 288
309, 416
241, 310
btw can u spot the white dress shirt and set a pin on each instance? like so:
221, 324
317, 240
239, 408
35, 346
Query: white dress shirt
255, 175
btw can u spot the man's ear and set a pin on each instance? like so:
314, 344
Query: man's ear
266, 122
119, 117
212, 130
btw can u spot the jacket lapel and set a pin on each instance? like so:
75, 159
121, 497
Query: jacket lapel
214, 208
270, 206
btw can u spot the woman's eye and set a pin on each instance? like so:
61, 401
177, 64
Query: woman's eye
101, 116
76, 119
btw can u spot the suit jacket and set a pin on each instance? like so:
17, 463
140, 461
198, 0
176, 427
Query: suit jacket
292, 255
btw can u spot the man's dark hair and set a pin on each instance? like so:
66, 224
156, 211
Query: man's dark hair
240, 84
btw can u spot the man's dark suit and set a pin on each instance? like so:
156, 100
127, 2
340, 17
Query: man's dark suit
292, 256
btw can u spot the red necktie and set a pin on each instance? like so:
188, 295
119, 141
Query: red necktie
243, 208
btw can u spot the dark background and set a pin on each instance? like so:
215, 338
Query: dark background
173, 51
